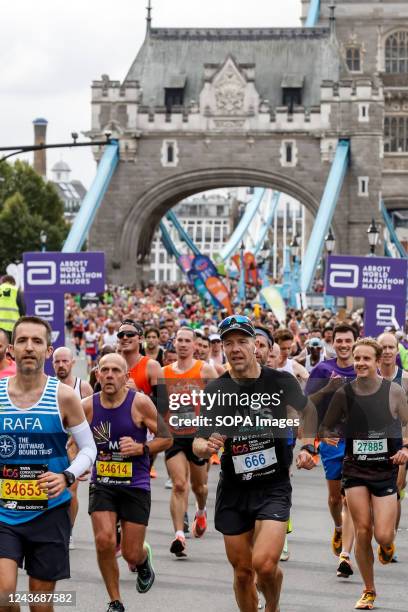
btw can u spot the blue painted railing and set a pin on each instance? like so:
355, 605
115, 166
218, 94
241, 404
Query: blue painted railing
235, 240
313, 14
167, 242
172, 217
93, 199
325, 213
391, 230
268, 222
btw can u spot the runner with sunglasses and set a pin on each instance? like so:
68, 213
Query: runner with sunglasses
144, 371
254, 492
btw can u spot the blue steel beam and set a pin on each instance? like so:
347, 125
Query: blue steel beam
93, 199
313, 14
268, 222
250, 211
325, 213
391, 230
167, 241
171, 216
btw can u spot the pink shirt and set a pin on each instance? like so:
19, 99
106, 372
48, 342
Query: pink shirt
9, 370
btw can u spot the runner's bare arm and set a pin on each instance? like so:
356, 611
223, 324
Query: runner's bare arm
87, 405
205, 448
154, 372
333, 415
208, 372
143, 409
86, 389
73, 418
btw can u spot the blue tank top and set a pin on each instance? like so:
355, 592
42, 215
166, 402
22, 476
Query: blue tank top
32, 441
108, 426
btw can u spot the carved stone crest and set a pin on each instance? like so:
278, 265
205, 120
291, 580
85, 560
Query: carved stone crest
230, 92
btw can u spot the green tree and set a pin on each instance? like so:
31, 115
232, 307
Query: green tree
28, 205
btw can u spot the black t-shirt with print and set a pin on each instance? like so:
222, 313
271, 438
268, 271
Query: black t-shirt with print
260, 448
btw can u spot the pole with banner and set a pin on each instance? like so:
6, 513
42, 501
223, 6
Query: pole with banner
48, 276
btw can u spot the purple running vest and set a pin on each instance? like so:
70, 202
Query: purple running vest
108, 426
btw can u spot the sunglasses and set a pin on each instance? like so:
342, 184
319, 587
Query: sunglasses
232, 320
126, 334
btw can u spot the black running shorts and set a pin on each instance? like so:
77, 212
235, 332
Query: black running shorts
378, 488
41, 546
129, 503
238, 507
184, 445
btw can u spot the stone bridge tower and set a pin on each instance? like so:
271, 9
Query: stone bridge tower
208, 108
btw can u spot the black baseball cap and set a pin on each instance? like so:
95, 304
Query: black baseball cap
236, 323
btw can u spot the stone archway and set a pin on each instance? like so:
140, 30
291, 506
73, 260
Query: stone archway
139, 226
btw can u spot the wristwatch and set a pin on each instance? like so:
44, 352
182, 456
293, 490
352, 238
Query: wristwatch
310, 449
69, 478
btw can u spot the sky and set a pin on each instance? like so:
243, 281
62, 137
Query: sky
50, 52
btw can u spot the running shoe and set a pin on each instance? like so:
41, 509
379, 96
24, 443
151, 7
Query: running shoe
289, 528
337, 542
214, 459
386, 553
394, 558
344, 569
71, 543
169, 484
186, 524
146, 576
116, 606
199, 525
153, 472
366, 601
178, 547
285, 551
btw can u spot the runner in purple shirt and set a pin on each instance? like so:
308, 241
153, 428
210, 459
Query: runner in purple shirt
324, 380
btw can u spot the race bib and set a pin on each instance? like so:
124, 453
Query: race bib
253, 462
114, 472
19, 489
372, 448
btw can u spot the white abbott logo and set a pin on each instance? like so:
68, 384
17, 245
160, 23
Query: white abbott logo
41, 273
344, 276
385, 315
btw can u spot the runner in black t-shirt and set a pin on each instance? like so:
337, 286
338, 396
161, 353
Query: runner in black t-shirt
254, 493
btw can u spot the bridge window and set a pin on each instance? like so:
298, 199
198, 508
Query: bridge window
292, 86
396, 53
363, 186
363, 115
173, 97
396, 134
288, 153
169, 153
353, 58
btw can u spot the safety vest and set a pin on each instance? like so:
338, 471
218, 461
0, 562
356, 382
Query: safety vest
9, 312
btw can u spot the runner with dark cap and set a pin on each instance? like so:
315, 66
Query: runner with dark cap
254, 493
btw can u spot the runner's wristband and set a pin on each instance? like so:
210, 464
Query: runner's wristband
310, 449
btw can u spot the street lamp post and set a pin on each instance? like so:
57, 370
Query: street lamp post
43, 240
330, 243
294, 289
241, 285
373, 236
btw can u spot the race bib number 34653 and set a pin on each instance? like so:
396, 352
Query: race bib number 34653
19, 488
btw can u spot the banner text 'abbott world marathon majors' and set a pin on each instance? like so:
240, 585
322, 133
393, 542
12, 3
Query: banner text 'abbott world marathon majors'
382, 281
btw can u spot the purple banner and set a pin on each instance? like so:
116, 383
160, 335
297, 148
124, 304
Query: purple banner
64, 272
382, 314
49, 306
379, 277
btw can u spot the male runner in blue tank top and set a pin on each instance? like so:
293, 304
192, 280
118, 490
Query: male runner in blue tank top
120, 484
371, 409
37, 413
